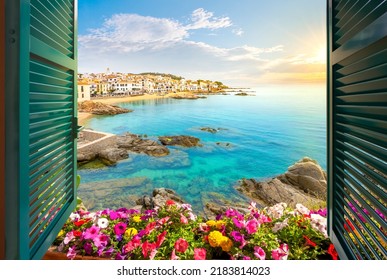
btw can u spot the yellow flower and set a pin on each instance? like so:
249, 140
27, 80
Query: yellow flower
220, 223
130, 232
137, 219
226, 244
211, 223
214, 238
62, 232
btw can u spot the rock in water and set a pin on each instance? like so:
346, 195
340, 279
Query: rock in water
99, 108
304, 182
110, 156
180, 140
134, 143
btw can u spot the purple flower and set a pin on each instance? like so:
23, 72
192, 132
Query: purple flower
109, 252
91, 232
238, 237
120, 228
88, 248
120, 257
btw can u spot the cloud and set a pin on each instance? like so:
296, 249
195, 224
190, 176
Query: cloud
238, 31
204, 19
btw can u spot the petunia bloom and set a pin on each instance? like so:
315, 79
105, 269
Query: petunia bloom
252, 226
103, 222
181, 245
259, 253
120, 228
200, 254
91, 232
280, 253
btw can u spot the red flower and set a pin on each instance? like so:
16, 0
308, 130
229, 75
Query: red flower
149, 227
309, 242
79, 223
160, 238
77, 233
147, 247
169, 202
181, 245
332, 252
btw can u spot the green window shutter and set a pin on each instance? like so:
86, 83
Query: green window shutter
41, 183
357, 113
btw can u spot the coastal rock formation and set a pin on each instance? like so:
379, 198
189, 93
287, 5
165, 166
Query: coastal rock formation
180, 140
211, 129
304, 182
159, 198
99, 108
111, 156
134, 143
184, 96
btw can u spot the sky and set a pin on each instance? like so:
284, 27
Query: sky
242, 43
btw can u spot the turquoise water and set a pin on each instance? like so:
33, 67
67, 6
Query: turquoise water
265, 133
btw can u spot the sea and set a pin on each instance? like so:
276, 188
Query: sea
258, 136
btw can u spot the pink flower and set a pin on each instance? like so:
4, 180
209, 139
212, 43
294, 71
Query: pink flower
133, 244
239, 224
152, 253
183, 219
252, 226
91, 232
147, 247
69, 236
120, 228
160, 239
181, 245
173, 255
200, 254
72, 252
163, 220
150, 227
280, 253
113, 215
259, 253
101, 240
238, 237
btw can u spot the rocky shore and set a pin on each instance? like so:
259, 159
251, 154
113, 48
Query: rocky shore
99, 108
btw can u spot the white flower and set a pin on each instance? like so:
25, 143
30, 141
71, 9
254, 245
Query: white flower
277, 210
74, 216
279, 226
302, 209
103, 222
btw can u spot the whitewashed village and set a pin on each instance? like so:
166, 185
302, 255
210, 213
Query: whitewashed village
115, 84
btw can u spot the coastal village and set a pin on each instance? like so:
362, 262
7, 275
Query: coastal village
115, 84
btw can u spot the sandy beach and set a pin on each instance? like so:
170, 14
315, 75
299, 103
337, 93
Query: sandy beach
83, 117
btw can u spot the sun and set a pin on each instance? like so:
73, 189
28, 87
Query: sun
321, 55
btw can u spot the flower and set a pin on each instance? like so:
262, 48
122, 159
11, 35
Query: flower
120, 228
302, 209
183, 219
103, 222
252, 226
169, 202
280, 253
168, 233
74, 216
226, 244
200, 253
136, 219
130, 232
332, 251
309, 242
259, 253
181, 245
91, 232
214, 238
